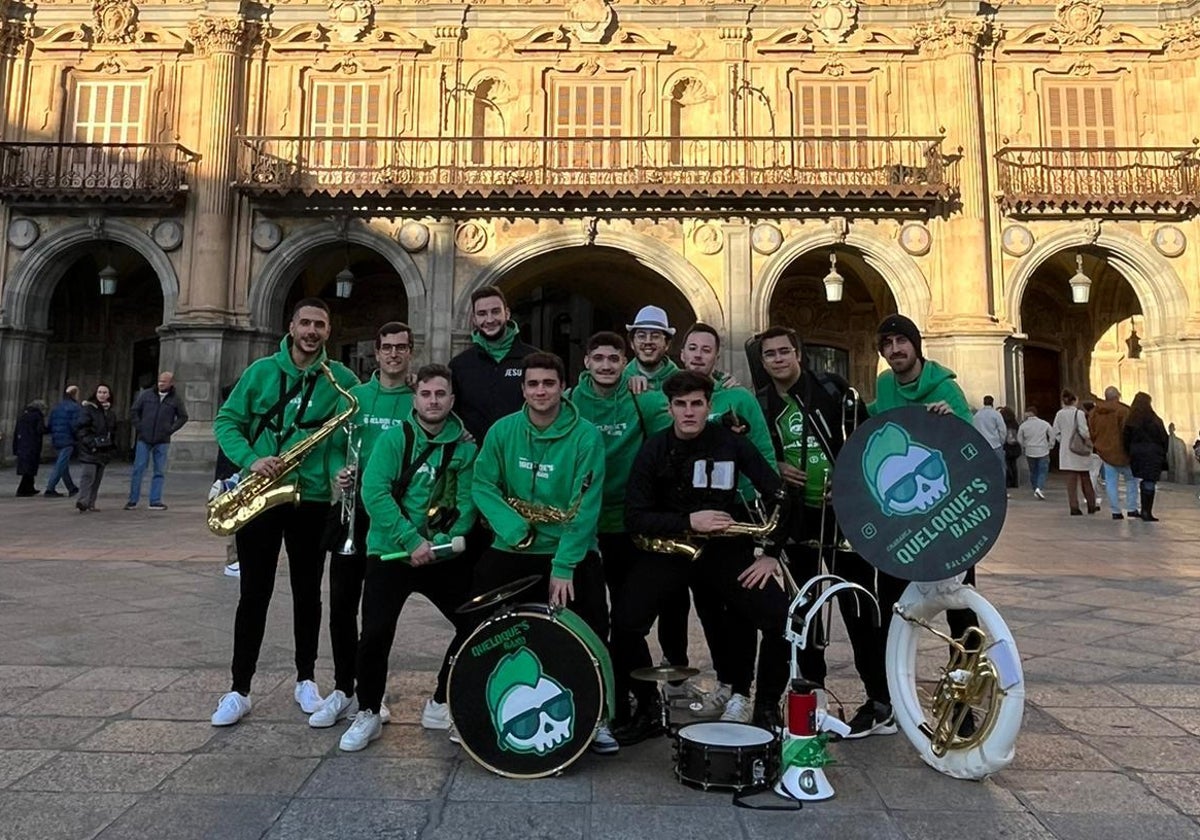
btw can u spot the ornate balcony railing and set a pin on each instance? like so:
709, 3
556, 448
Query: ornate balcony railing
39, 171
1126, 181
869, 167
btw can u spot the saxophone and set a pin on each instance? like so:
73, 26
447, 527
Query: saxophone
539, 514
687, 543
256, 493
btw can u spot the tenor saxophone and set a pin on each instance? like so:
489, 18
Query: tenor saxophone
690, 543
536, 514
256, 493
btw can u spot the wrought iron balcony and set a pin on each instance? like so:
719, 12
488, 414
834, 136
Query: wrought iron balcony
905, 169
1117, 181
131, 173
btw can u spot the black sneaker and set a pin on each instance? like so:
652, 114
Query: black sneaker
158, 506
53, 494
131, 506
647, 724
872, 718
767, 717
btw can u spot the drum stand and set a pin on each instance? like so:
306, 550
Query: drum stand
663, 674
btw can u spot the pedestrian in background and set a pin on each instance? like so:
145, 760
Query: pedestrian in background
1074, 452
1012, 449
94, 430
157, 414
62, 437
27, 445
1097, 463
1035, 437
1145, 440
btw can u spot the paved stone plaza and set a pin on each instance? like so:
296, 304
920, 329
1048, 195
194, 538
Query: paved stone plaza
115, 635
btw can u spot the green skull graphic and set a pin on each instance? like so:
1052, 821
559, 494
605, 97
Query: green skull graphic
531, 712
905, 477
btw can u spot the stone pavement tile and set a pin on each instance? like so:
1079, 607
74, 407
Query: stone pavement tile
951, 825
126, 678
1075, 695
253, 737
350, 819
1075, 826
154, 736
37, 676
814, 821
101, 772
1114, 653
1180, 789
1120, 721
1039, 721
926, 789
1140, 753
44, 732
406, 740
524, 820
1164, 641
1031, 646
178, 705
16, 763
1083, 627
364, 777
650, 783
197, 818
13, 698
877, 751
1167, 695
1188, 719
1179, 671
1056, 669
216, 681
1129, 615
1071, 792
91, 703
473, 783
673, 822
58, 816
1036, 751
241, 774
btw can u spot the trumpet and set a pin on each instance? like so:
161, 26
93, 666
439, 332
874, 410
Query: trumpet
686, 544
538, 514
350, 494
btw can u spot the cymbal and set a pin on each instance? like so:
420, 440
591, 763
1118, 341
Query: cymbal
499, 595
664, 673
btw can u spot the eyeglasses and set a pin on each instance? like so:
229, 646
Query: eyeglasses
649, 335
396, 349
905, 490
525, 725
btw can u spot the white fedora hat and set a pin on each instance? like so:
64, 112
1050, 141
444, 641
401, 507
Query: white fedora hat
651, 318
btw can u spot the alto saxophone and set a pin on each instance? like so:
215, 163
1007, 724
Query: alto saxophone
687, 544
256, 493
539, 514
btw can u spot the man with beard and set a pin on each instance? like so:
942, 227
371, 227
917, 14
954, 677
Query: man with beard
650, 335
277, 402
421, 465
487, 375
806, 411
625, 420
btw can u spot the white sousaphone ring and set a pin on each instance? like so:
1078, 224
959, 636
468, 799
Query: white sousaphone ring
921, 497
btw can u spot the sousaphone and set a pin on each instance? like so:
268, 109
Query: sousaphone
922, 497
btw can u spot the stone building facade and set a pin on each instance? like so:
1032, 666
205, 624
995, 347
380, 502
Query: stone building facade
967, 164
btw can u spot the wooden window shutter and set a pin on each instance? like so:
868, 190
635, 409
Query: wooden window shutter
1080, 115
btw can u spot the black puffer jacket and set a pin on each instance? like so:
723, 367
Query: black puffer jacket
485, 389
94, 429
1146, 442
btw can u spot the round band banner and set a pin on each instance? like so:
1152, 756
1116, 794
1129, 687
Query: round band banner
920, 496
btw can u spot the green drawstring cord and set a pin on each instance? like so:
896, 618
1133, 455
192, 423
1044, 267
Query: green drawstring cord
806, 752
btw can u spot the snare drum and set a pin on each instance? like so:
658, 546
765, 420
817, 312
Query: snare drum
528, 689
726, 756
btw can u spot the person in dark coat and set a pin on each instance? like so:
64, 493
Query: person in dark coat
27, 445
1146, 440
62, 436
94, 431
1012, 448
157, 414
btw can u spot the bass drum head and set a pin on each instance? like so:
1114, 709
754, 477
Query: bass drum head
526, 692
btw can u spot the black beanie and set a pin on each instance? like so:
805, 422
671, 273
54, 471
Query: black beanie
899, 325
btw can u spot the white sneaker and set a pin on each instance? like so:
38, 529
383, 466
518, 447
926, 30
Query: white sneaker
738, 709
365, 729
604, 743
308, 696
335, 707
454, 739
435, 715
385, 715
231, 708
1039, 494
714, 703
233, 569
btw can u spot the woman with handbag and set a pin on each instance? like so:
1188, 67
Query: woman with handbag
1146, 441
1074, 452
94, 430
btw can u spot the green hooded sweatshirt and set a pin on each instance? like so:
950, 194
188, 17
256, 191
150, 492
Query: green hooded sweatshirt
379, 409
745, 405
935, 384
396, 528
665, 369
251, 424
624, 421
546, 467
497, 349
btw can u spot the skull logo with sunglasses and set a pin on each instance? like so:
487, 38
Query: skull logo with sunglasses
905, 477
531, 712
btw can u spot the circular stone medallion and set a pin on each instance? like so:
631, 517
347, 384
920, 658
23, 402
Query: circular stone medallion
266, 236
1169, 241
167, 234
413, 236
23, 232
766, 239
1016, 240
915, 239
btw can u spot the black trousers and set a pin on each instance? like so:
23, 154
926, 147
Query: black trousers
496, 568
387, 585
300, 528
346, 575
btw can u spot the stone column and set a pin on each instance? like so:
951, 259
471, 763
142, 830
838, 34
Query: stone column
221, 41
22, 361
440, 318
739, 319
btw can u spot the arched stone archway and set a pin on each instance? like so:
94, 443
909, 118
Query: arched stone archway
1158, 289
269, 291
30, 287
651, 253
899, 271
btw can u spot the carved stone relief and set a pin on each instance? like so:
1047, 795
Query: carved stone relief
1169, 241
766, 239
350, 20
708, 238
834, 19
1077, 21
115, 22
590, 21
470, 238
1016, 240
915, 239
413, 236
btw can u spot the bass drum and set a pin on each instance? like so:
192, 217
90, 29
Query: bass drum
997, 684
528, 689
